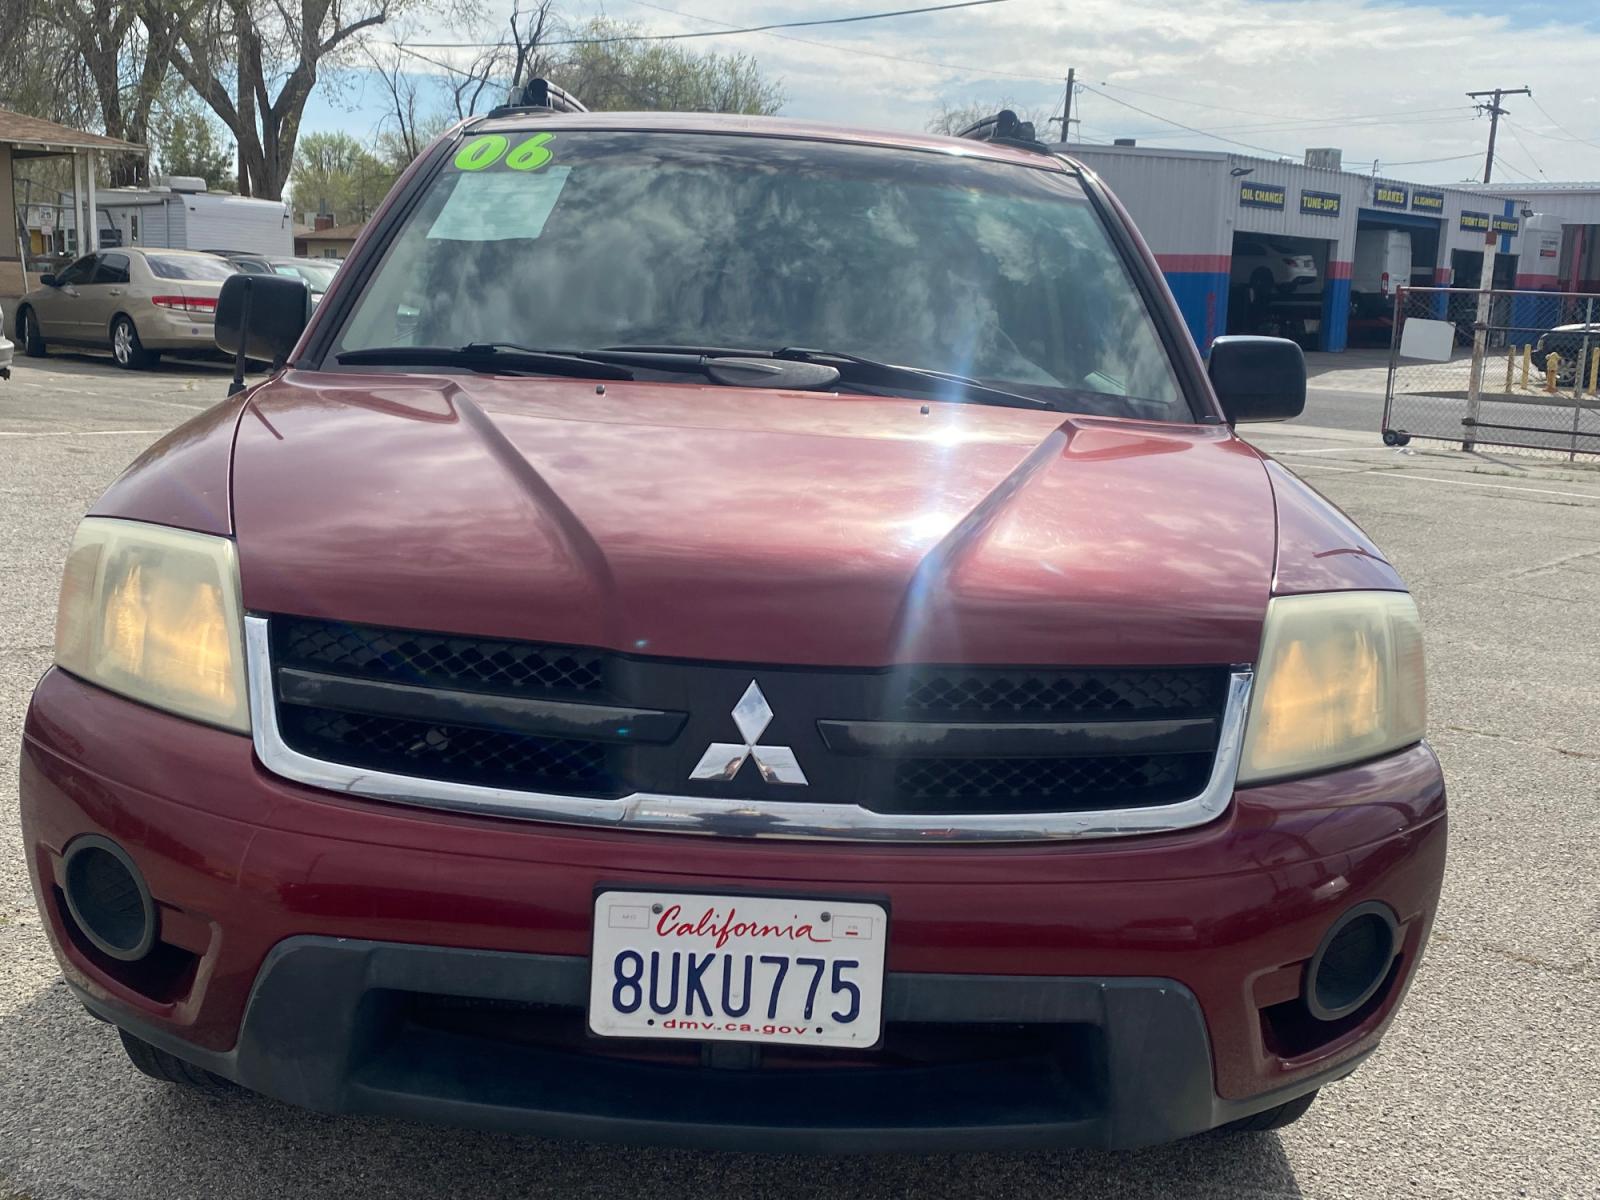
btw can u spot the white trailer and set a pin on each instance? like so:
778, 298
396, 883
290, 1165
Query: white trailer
182, 215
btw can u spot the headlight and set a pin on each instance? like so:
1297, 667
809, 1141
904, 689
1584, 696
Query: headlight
153, 614
1340, 679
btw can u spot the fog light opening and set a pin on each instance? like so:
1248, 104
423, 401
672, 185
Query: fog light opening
108, 898
1352, 961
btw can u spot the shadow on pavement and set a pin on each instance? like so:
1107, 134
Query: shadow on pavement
76, 1120
88, 362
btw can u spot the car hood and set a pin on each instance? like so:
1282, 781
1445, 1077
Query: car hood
755, 526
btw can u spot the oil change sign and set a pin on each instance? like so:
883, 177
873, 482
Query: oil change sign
1262, 195
1319, 204
1389, 195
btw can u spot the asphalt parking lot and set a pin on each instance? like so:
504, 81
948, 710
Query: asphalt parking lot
1487, 1086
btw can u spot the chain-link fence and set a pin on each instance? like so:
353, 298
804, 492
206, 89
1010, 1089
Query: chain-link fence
1535, 384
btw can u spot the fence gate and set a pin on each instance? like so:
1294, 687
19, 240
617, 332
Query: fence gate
1537, 386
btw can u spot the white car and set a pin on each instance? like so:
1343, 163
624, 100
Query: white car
6, 348
1267, 266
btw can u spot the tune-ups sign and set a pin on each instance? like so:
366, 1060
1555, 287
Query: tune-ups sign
1319, 204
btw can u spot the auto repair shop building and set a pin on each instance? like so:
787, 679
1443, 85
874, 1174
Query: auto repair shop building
1207, 214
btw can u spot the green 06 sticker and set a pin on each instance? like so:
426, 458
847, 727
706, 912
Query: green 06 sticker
488, 149
481, 152
530, 154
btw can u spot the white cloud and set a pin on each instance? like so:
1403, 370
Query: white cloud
1378, 79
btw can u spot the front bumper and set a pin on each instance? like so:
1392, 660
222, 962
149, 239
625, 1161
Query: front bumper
1108, 993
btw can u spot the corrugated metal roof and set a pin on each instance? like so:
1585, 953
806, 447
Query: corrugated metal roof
21, 129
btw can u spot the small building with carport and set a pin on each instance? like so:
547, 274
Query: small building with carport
23, 138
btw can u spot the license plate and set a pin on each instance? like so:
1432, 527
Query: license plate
801, 972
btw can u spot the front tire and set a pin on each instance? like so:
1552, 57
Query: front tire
169, 1068
1273, 1118
126, 348
28, 334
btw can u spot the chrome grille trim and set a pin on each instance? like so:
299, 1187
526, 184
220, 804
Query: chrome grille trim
737, 818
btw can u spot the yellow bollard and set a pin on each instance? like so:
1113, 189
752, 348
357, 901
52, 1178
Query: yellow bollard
1527, 362
1594, 372
1552, 367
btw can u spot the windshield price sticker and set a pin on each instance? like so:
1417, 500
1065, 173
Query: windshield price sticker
798, 972
1262, 195
1320, 204
497, 206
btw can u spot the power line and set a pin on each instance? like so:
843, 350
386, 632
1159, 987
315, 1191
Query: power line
1570, 135
1249, 112
1190, 128
1417, 162
1512, 130
1331, 123
833, 46
674, 37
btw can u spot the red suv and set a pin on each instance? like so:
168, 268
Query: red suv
738, 633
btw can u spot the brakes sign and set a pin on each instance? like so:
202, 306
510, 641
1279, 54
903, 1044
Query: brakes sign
805, 972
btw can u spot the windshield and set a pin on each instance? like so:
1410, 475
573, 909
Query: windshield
188, 266
579, 240
316, 275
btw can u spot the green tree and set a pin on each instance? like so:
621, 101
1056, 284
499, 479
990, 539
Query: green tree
619, 71
190, 144
336, 174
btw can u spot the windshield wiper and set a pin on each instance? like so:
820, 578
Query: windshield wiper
870, 370
486, 356
945, 386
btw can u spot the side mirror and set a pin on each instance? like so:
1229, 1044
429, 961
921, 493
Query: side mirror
1258, 378
261, 317
49, 281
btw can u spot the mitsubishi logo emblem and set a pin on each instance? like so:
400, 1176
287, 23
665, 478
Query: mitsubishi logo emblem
724, 760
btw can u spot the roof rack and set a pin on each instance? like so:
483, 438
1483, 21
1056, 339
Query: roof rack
539, 95
1005, 128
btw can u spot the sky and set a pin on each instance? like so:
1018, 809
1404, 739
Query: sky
1383, 80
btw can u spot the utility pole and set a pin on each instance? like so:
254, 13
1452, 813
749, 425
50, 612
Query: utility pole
1495, 113
1066, 117
1480, 327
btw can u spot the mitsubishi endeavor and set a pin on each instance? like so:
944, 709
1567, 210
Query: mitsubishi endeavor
738, 633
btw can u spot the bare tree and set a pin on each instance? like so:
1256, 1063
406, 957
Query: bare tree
254, 62
403, 125
953, 118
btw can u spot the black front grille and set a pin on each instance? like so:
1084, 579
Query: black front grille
1122, 694
436, 660
461, 753
954, 785
461, 741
